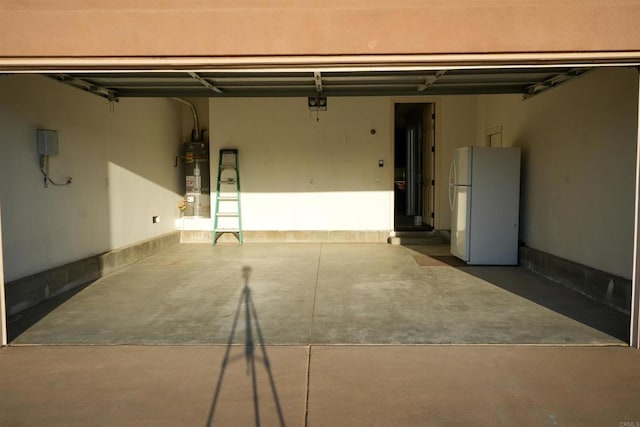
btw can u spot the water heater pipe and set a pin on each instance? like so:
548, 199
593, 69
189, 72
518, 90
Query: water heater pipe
196, 133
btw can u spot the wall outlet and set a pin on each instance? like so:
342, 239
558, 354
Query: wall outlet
155, 219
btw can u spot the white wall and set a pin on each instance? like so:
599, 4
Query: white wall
300, 173
457, 128
578, 171
120, 157
202, 110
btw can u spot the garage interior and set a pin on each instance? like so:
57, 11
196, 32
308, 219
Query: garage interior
284, 202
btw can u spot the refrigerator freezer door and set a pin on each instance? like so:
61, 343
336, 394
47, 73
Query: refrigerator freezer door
460, 222
462, 166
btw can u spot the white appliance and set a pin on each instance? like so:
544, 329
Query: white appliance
484, 194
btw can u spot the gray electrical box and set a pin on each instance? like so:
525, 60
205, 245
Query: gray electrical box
47, 142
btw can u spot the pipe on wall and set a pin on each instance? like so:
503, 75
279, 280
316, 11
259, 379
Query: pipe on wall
195, 134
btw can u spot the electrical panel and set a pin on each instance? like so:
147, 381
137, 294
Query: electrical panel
47, 142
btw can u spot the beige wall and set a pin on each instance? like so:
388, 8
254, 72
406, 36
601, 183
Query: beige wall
457, 129
120, 157
301, 173
202, 110
579, 145
78, 28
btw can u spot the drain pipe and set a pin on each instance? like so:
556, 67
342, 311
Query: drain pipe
195, 134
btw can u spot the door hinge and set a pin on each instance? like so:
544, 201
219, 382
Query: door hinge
433, 182
433, 115
433, 148
432, 215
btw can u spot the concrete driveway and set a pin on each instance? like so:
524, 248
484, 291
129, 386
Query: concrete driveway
410, 385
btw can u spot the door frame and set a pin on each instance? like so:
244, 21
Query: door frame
437, 188
3, 306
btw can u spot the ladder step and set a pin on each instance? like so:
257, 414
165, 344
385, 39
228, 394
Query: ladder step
228, 160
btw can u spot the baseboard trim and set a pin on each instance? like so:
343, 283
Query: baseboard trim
294, 236
29, 291
609, 289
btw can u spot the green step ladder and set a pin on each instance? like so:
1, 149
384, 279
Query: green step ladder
229, 180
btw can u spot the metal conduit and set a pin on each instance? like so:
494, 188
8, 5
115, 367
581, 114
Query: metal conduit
196, 126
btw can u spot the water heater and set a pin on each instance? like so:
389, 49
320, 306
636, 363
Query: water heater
196, 179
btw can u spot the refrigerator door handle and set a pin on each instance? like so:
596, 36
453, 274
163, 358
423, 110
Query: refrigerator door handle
451, 183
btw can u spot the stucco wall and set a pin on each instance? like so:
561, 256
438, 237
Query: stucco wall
578, 171
120, 157
77, 28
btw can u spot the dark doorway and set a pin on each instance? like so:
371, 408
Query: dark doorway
414, 145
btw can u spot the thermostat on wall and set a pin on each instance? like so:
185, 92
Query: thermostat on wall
47, 142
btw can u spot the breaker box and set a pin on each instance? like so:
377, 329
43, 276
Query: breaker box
47, 142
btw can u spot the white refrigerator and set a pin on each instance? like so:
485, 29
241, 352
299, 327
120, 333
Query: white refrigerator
484, 194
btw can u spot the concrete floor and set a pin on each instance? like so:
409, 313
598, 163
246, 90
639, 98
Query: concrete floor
301, 294
314, 297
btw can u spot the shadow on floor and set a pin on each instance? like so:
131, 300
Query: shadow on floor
20, 322
558, 298
245, 304
537, 289
405, 223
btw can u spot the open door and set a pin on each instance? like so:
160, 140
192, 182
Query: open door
414, 167
428, 200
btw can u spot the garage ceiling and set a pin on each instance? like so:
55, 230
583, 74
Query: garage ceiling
525, 81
